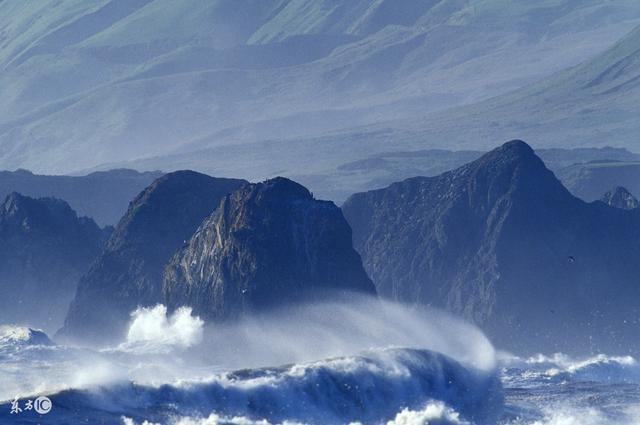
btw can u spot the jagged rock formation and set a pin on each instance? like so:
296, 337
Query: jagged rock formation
129, 271
503, 243
619, 197
267, 244
44, 248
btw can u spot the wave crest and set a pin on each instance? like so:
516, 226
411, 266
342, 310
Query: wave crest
371, 388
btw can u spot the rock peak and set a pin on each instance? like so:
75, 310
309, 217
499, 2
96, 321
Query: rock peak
283, 187
514, 150
620, 197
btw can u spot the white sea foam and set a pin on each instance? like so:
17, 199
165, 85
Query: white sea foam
12, 336
563, 414
599, 368
152, 327
434, 413
373, 387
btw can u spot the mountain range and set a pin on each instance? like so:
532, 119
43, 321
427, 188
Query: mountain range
593, 104
590, 180
214, 79
503, 243
499, 241
103, 196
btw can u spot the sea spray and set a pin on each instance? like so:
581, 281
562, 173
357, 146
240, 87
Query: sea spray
316, 331
152, 328
348, 362
373, 387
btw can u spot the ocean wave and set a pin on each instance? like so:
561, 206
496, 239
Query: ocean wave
566, 414
433, 413
12, 337
560, 367
371, 388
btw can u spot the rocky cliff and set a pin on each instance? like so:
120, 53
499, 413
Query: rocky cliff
619, 197
129, 271
501, 242
267, 244
44, 248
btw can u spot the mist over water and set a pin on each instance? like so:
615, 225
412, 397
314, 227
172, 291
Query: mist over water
330, 329
162, 347
359, 360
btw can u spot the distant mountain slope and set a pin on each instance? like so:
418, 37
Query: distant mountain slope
103, 196
340, 167
128, 273
44, 248
590, 180
382, 169
593, 104
503, 243
267, 245
134, 79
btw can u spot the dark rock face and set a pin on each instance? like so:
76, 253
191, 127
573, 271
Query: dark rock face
501, 242
619, 197
128, 273
267, 244
44, 248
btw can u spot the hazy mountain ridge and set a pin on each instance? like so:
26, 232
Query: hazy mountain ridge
103, 195
590, 180
502, 242
593, 104
206, 67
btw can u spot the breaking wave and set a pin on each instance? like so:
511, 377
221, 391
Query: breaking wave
152, 329
560, 367
362, 361
378, 386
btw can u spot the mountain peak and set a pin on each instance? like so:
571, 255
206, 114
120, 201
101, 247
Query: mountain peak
280, 187
48, 212
12, 202
517, 146
498, 241
514, 151
512, 169
620, 197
